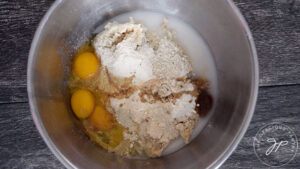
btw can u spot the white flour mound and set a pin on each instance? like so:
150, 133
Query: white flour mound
126, 50
122, 48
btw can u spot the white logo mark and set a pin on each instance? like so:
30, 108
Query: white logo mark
275, 145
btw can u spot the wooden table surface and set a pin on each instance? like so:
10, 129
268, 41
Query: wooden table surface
276, 29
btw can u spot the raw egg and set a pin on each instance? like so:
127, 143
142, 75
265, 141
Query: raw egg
82, 103
86, 65
101, 119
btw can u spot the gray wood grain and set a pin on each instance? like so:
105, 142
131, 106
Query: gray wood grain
22, 147
275, 25
276, 29
275, 104
18, 21
20, 144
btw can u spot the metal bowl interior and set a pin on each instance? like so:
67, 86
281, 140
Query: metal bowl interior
69, 23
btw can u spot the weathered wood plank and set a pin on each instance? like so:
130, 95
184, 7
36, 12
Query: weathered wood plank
276, 28
18, 21
275, 104
275, 25
22, 147
20, 144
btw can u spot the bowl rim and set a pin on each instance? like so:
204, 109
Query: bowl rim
217, 163
32, 101
254, 90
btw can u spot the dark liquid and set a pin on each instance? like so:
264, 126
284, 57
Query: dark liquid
205, 101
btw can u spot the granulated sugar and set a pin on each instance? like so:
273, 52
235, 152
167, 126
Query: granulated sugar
122, 48
184, 106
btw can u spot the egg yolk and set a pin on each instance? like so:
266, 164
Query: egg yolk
101, 119
86, 65
82, 103
116, 134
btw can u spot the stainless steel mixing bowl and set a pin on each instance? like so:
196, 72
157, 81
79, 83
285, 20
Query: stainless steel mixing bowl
69, 23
